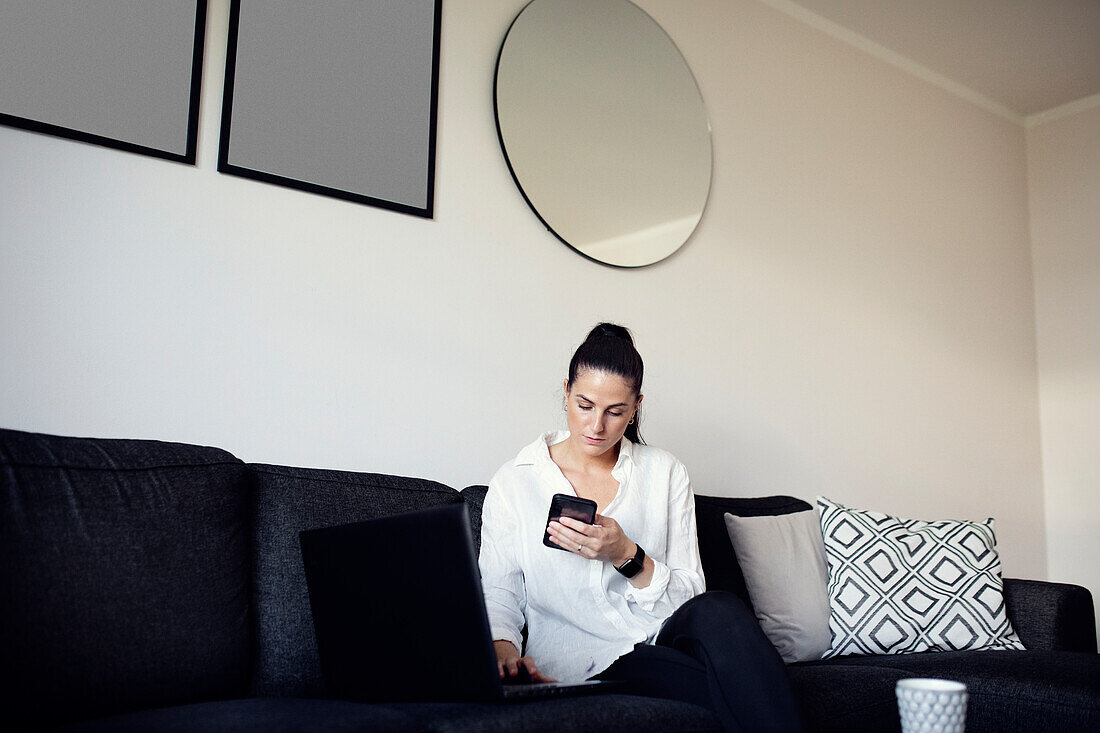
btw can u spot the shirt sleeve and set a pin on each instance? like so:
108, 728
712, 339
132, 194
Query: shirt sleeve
501, 575
680, 576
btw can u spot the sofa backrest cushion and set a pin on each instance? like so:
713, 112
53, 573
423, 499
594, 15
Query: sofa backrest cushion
125, 576
285, 501
474, 496
715, 549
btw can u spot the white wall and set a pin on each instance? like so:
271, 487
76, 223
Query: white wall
853, 316
1064, 178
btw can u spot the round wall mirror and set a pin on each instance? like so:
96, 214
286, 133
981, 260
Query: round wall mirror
604, 129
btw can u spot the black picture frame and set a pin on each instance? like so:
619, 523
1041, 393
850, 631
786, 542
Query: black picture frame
62, 95
298, 110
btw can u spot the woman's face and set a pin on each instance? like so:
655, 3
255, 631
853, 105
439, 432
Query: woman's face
598, 408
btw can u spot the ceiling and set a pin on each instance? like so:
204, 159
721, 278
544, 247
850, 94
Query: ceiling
1027, 56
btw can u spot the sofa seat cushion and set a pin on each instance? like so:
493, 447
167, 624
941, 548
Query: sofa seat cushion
125, 576
596, 713
286, 500
260, 715
1009, 690
844, 699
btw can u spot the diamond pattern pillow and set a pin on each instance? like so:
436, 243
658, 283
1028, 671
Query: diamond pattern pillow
902, 585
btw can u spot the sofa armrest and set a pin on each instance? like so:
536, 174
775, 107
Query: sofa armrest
1055, 616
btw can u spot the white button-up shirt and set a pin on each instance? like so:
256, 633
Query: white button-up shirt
583, 614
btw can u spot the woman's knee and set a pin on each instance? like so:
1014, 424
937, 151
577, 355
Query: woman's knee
718, 602
713, 612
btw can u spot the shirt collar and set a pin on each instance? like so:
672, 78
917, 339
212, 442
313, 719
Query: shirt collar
622, 466
541, 449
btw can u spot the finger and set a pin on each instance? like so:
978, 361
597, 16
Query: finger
560, 531
533, 670
569, 540
575, 547
575, 524
608, 524
571, 534
590, 538
593, 536
557, 540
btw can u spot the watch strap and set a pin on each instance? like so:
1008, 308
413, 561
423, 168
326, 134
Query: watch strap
634, 565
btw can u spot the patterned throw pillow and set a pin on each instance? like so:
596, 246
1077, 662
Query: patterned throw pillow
898, 586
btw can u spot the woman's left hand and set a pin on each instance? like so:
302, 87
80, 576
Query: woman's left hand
602, 540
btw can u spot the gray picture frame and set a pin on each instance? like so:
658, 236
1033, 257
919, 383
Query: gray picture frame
335, 97
115, 73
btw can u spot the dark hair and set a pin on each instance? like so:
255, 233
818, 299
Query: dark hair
610, 348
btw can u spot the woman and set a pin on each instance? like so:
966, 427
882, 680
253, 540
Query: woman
629, 580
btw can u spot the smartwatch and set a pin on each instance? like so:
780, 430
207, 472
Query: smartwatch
634, 565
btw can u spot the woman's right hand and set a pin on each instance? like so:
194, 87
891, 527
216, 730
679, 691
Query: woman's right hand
509, 662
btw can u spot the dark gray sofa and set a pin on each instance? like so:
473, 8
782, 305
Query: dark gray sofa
158, 586
153, 586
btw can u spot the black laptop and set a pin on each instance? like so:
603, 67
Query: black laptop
399, 614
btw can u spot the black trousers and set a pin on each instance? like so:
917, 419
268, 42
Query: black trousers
712, 652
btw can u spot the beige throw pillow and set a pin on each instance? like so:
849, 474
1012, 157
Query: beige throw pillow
783, 560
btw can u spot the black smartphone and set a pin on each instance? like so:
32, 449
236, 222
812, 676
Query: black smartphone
564, 505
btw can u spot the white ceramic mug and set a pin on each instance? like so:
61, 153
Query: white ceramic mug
931, 706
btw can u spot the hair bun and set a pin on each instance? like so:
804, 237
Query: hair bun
611, 330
